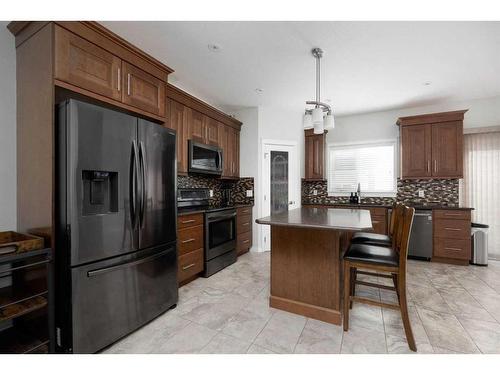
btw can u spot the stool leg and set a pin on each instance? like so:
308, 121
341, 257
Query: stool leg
395, 281
347, 293
354, 276
404, 314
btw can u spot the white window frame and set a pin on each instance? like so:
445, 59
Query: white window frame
386, 142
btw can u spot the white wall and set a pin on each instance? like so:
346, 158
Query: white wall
8, 174
382, 125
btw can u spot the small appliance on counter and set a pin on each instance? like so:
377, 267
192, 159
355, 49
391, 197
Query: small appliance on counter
220, 228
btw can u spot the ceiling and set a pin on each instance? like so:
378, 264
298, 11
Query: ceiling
367, 66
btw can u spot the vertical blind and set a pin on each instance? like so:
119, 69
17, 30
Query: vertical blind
480, 187
371, 165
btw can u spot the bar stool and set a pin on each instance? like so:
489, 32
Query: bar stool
375, 238
390, 260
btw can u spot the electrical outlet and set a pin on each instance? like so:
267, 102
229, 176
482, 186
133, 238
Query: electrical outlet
211, 193
315, 192
249, 193
421, 194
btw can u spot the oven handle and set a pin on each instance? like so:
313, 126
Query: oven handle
221, 217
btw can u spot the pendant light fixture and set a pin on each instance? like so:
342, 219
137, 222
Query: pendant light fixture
320, 117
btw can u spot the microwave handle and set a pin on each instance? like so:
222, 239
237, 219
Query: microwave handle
219, 166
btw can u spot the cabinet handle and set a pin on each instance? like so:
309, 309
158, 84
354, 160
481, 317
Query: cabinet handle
428, 165
454, 229
188, 240
128, 84
119, 79
246, 241
450, 214
375, 222
188, 221
245, 224
188, 266
435, 165
453, 248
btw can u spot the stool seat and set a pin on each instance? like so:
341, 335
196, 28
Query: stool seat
380, 255
371, 238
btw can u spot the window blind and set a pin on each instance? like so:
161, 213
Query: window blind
371, 165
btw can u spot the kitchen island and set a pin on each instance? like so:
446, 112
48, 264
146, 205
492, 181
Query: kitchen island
306, 259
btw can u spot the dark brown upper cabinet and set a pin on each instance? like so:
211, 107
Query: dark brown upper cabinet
314, 155
177, 121
432, 145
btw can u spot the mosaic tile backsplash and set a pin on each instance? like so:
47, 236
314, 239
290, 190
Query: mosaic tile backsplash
444, 191
238, 187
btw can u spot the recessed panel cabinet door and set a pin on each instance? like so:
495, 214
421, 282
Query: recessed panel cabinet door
416, 151
177, 121
211, 131
196, 126
226, 155
447, 149
85, 65
142, 90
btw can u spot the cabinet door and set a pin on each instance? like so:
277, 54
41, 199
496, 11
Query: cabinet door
416, 151
211, 131
226, 155
85, 65
142, 90
447, 149
233, 146
314, 157
237, 154
196, 126
177, 121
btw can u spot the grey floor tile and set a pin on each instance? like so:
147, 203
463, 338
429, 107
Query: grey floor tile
191, 339
399, 345
247, 324
486, 335
282, 332
366, 316
256, 349
463, 305
428, 297
319, 338
359, 340
224, 344
445, 331
393, 324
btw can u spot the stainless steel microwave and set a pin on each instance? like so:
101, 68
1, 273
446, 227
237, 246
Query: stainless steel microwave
204, 158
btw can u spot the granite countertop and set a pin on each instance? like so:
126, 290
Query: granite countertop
416, 206
199, 211
321, 218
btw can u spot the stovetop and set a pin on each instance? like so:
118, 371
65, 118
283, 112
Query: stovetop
207, 208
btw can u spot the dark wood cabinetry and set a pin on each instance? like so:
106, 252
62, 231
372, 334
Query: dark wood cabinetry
451, 239
178, 121
432, 145
314, 155
190, 246
244, 229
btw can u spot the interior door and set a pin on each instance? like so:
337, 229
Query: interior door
281, 184
157, 160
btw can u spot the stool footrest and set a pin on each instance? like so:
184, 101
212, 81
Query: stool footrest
374, 285
374, 303
374, 274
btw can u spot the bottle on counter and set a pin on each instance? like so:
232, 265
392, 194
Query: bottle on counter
356, 198
351, 198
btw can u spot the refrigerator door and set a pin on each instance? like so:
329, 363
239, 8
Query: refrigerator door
100, 166
114, 297
158, 171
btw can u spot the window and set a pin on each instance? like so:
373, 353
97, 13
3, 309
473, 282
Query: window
370, 164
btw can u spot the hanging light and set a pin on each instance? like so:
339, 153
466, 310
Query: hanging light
329, 121
316, 119
307, 121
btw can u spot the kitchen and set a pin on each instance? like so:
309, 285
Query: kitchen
246, 216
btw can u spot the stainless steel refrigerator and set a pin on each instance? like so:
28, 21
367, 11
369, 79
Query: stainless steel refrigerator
116, 257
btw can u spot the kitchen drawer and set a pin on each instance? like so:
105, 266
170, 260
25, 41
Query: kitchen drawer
379, 224
454, 229
187, 221
190, 239
452, 248
190, 264
244, 242
244, 223
452, 214
245, 210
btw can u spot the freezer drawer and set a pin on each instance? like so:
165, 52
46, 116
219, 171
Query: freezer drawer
114, 297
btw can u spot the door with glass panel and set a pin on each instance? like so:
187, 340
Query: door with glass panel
281, 184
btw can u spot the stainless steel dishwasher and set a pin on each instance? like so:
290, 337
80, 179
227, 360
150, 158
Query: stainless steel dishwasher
421, 235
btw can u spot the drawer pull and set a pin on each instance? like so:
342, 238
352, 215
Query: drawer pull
188, 266
453, 248
375, 222
188, 240
246, 241
245, 224
188, 221
452, 214
245, 211
454, 229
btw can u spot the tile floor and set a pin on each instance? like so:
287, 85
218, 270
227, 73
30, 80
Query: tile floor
453, 309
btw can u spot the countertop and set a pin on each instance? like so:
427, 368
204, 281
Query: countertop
203, 210
416, 206
321, 218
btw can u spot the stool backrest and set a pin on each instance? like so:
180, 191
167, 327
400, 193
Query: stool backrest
404, 239
397, 216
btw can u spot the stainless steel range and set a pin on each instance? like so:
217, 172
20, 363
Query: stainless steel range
220, 228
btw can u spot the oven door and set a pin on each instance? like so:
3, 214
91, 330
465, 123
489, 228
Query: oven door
204, 158
220, 233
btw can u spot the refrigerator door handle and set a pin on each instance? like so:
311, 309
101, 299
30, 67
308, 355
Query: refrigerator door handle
133, 185
142, 159
100, 271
